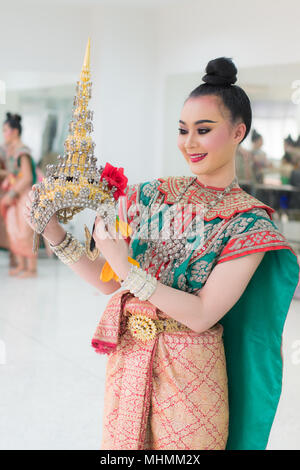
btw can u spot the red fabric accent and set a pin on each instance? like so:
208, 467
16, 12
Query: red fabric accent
255, 242
239, 255
103, 347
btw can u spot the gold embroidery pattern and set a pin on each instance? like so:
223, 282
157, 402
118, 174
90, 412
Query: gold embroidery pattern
263, 234
236, 201
153, 389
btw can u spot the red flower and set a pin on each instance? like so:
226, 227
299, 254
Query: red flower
115, 177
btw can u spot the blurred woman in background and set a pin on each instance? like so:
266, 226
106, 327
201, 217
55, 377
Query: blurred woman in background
21, 175
286, 164
260, 161
3, 235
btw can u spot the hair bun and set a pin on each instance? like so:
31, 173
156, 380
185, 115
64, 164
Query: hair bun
289, 140
220, 71
13, 117
255, 135
17, 117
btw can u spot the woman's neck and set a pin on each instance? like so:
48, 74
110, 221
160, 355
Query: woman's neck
220, 178
12, 146
216, 181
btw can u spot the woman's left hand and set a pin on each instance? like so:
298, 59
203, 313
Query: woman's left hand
113, 247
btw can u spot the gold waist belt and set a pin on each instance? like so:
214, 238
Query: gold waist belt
145, 328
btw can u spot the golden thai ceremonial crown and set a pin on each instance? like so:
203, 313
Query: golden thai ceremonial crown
75, 182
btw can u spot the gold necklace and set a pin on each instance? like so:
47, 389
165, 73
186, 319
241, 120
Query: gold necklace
160, 253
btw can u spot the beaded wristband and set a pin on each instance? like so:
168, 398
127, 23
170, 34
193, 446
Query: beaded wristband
69, 250
148, 289
139, 283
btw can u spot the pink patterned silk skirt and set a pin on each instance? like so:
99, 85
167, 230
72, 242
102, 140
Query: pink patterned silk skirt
20, 234
168, 393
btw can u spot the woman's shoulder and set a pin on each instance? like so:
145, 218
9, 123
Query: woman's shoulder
249, 232
253, 219
248, 203
22, 150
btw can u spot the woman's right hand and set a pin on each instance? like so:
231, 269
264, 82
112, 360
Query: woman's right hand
53, 223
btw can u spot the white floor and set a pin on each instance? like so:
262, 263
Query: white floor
52, 381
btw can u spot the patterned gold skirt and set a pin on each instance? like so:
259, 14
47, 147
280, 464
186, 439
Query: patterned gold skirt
168, 393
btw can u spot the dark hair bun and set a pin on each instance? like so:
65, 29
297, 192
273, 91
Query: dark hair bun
17, 117
289, 140
13, 117
255, 135
220, 71
14, 121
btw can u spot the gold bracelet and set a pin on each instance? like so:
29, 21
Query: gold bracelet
69, 250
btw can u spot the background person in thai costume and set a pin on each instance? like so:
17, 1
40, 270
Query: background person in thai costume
3, 173
287, 163
17, 184
241, 277
260, 162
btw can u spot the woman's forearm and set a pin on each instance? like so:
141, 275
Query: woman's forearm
22, 184
202, 311
90, 271
182, 306
87, 269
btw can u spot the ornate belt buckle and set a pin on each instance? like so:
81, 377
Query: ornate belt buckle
142, 327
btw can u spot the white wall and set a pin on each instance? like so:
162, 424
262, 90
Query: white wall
125, 89
48, 48
124, 69
251, 33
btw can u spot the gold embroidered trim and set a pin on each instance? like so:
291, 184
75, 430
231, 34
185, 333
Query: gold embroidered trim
234, 202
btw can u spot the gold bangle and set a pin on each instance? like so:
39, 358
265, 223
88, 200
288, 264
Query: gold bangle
69, 250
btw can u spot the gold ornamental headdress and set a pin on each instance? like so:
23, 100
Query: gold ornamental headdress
75, 182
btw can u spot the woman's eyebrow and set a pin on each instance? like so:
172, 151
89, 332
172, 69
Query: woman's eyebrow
198, 122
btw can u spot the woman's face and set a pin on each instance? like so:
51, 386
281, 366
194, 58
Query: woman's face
9, 134
215, 136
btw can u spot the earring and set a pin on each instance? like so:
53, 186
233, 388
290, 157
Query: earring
91, 250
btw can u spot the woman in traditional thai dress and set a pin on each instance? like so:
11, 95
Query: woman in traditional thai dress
21, 174
3, 173
260, 162
194, 336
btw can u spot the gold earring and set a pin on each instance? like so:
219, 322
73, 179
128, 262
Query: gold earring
91, 254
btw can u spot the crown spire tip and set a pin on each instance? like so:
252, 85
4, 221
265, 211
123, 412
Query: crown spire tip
86, 62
